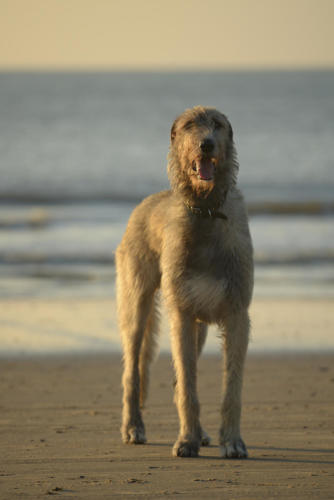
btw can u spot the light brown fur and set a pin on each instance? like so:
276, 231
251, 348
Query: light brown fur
204, 267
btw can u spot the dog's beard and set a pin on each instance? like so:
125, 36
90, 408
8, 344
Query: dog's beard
202, 183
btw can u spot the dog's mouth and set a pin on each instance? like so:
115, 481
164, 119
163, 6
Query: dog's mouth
205, 168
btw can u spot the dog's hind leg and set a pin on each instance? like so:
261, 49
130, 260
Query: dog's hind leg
202, 332
148, 350
235, 332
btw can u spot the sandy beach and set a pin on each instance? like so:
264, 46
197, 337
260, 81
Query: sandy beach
60, 419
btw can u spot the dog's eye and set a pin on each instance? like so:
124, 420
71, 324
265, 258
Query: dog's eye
188, 125
217, 125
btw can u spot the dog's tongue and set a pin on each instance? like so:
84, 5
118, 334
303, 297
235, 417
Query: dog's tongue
206, 169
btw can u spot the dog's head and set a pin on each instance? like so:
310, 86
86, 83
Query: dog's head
202, 158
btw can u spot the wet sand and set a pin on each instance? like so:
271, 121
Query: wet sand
60, 419
44, 325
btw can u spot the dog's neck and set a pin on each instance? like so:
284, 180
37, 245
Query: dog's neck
207, 207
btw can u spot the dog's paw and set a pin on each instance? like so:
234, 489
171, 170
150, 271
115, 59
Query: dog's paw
183, 448
205, 438
134, 435
233, 448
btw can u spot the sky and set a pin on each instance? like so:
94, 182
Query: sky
166, 34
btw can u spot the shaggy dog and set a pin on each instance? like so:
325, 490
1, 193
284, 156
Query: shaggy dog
193, 242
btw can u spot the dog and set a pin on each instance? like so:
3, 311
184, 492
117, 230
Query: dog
193, 242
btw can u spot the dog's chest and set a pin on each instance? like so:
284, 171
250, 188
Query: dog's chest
214, 275
206, 252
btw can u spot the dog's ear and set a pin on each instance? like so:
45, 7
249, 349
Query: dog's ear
230, 131
173, 131
229, 127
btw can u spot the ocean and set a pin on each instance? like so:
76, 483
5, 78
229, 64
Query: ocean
79, 150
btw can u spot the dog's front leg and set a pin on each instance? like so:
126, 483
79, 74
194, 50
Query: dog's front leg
184, 348
236, 331
132, 321
133, 429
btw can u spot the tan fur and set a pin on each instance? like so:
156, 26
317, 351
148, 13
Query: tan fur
204, 267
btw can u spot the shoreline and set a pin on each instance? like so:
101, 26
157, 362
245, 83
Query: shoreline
35, 326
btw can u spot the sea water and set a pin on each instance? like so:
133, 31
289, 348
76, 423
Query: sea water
79, 150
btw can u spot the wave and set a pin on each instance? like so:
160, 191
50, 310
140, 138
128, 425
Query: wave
295, 259
291, 208
58, 259
75, 260
38, 215
71, 197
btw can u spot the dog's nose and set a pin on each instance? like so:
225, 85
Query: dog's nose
207, 145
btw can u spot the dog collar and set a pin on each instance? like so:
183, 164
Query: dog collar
206, 212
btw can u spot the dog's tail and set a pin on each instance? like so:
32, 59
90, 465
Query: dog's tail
148, 349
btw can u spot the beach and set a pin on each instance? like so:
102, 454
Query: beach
60, 415
76, 159
60, 419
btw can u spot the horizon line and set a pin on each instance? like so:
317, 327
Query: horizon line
164, 69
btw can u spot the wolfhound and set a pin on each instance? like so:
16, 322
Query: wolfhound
193, 242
